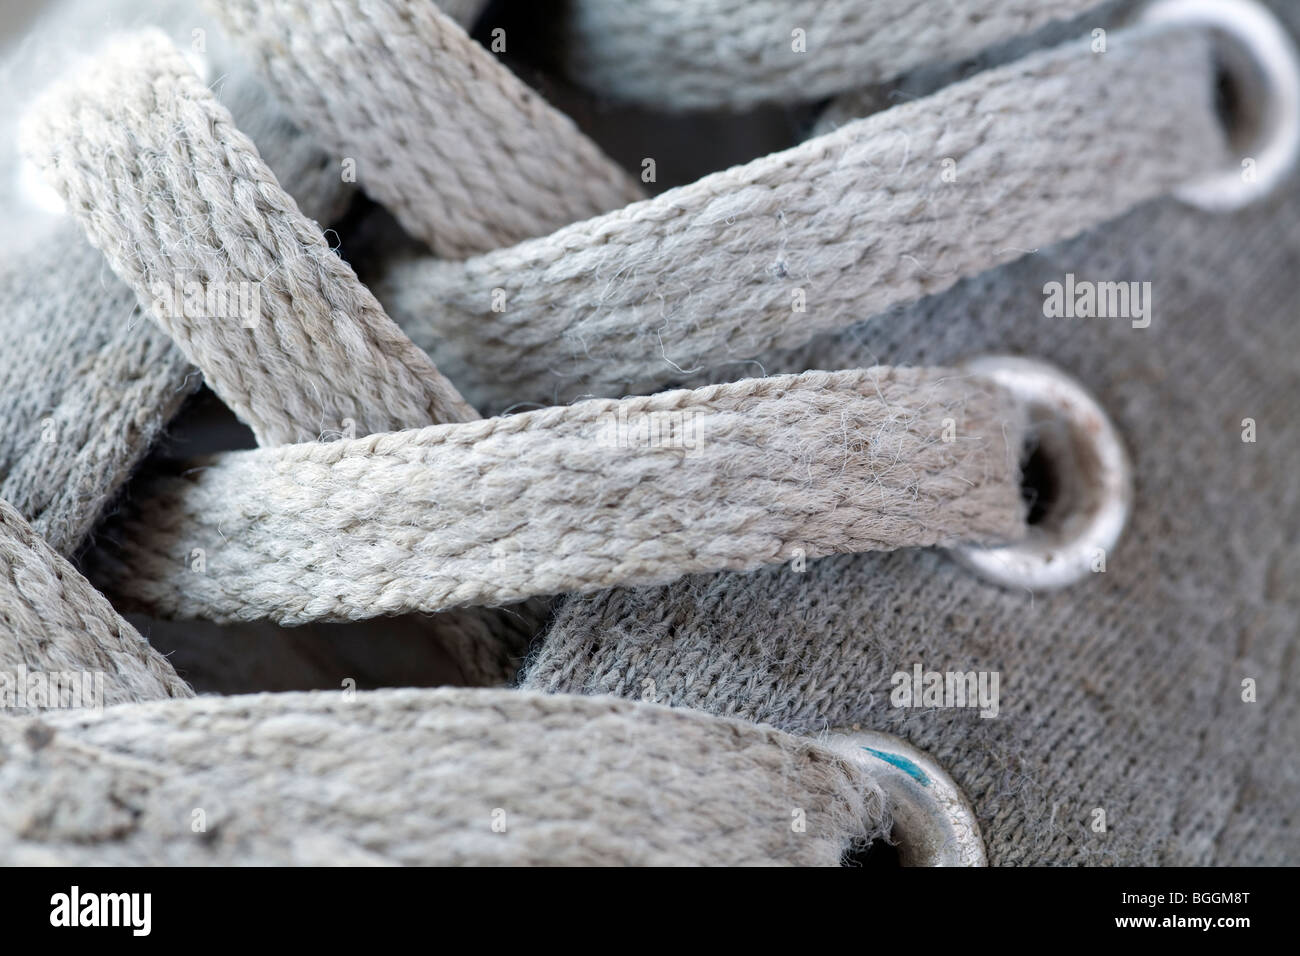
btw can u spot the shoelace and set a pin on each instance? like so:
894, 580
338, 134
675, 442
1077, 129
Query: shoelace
765, 256
378, 318
54, 621
467, 157
571, 499
424, 777
679, 54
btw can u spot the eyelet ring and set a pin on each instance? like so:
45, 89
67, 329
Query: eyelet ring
933, 821
1095, 481
1275, 150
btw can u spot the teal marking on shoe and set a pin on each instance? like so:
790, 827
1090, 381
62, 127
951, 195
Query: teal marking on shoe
903, 764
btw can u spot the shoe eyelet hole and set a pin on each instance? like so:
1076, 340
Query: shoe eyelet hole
933, 824
1236, 98
879, 854
1038, 483
1076, 478
1257, 93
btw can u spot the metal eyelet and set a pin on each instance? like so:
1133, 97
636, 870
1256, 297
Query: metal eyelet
1266, 50
1094, 481
934, 823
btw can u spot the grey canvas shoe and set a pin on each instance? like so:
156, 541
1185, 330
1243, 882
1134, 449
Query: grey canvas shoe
915, 473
